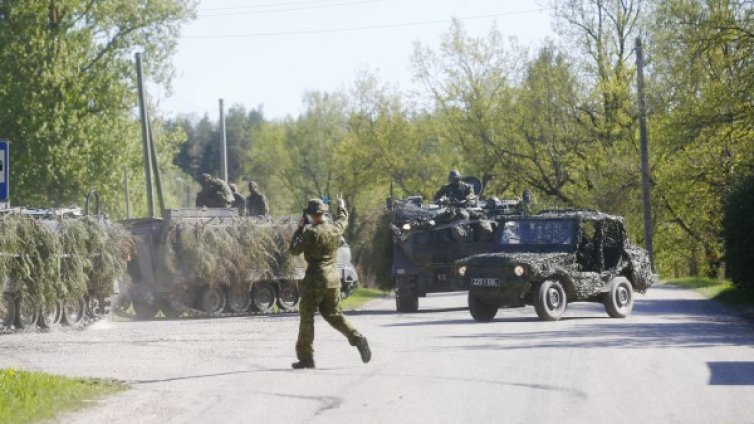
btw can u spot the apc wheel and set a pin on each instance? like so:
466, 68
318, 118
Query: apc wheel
213, 300
7, 310
619, 301
550, 301
239, 299
144, 311
406, 299
481, 311
288, 296
26, 314
73, 311
50, 314
263, 296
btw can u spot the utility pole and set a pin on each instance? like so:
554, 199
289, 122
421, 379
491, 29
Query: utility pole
125, 187
145, 136
644, 153
224, 147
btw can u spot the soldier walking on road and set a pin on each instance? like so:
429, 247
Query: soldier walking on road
215, 193
319, 242
239, 200
256, 202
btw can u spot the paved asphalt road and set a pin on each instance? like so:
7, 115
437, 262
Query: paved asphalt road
677, 359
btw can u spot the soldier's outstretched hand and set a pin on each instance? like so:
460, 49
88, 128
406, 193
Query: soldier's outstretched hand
341, 202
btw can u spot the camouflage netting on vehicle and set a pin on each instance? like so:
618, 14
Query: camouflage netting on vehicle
60, 259
234, 252
375, 258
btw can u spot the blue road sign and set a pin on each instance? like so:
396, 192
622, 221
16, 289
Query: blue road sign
4, 166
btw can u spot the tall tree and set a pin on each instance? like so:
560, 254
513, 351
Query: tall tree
67, 91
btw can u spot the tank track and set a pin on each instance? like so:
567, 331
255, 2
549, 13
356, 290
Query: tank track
85, 322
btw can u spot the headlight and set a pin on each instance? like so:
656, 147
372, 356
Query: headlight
462, 271
431, 222
519, 270
406, 227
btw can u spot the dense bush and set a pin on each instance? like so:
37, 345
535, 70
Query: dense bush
738, 232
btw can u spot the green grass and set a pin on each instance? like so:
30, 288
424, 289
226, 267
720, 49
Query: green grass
361, 296
27, 397
721, 290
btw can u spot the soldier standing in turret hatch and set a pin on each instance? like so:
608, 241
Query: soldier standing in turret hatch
256, 202
457, 192
215, 193
319, 242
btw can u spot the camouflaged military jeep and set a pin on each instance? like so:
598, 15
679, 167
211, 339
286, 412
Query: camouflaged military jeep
553, 258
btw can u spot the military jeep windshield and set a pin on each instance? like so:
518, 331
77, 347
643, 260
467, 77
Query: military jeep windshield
540, 234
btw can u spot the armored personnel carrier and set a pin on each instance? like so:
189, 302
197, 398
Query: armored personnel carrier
553, 258
58, 266
212, 263
428, 238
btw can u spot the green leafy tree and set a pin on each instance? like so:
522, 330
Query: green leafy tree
67, 91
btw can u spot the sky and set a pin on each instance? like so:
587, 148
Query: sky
270, 52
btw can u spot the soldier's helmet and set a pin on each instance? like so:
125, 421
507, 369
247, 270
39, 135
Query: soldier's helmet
253, 186
233, 188
205, 178
315, 206
454, 176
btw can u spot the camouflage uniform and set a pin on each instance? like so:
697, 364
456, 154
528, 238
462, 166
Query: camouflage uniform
455, 192
256, 202
321, 285
215, 194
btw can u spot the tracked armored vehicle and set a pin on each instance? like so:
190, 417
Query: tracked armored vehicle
59, 266
429, 238
212, 263
554, 258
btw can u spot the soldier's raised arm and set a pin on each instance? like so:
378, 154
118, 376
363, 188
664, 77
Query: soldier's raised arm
341, 219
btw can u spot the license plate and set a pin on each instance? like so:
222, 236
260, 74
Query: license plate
485, 282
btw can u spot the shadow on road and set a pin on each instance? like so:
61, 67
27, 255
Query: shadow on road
731, 373
393, 312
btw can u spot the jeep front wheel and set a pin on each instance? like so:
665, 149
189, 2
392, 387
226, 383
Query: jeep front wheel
481, 311
619, 301
550, 300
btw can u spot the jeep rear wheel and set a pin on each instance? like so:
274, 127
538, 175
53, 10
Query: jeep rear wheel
406, 299
550, 300
481, 311
619, 301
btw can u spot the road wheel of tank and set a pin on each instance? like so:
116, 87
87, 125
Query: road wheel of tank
263, 296
213, 300
481, 311
406, 299
550, 300
239, 298
50, 314
619, 301
73, 311
288, 295
7, 310
97, 307
144, 311
26, 314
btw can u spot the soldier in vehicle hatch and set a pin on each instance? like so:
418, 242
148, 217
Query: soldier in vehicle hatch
239, 200
215, 193
456, 192
256, 202
319, 240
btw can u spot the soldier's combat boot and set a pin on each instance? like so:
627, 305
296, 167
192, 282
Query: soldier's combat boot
364, 351
304, 363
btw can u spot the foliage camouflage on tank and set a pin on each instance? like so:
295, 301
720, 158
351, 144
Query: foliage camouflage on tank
553, 258
211, 262
58, 266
